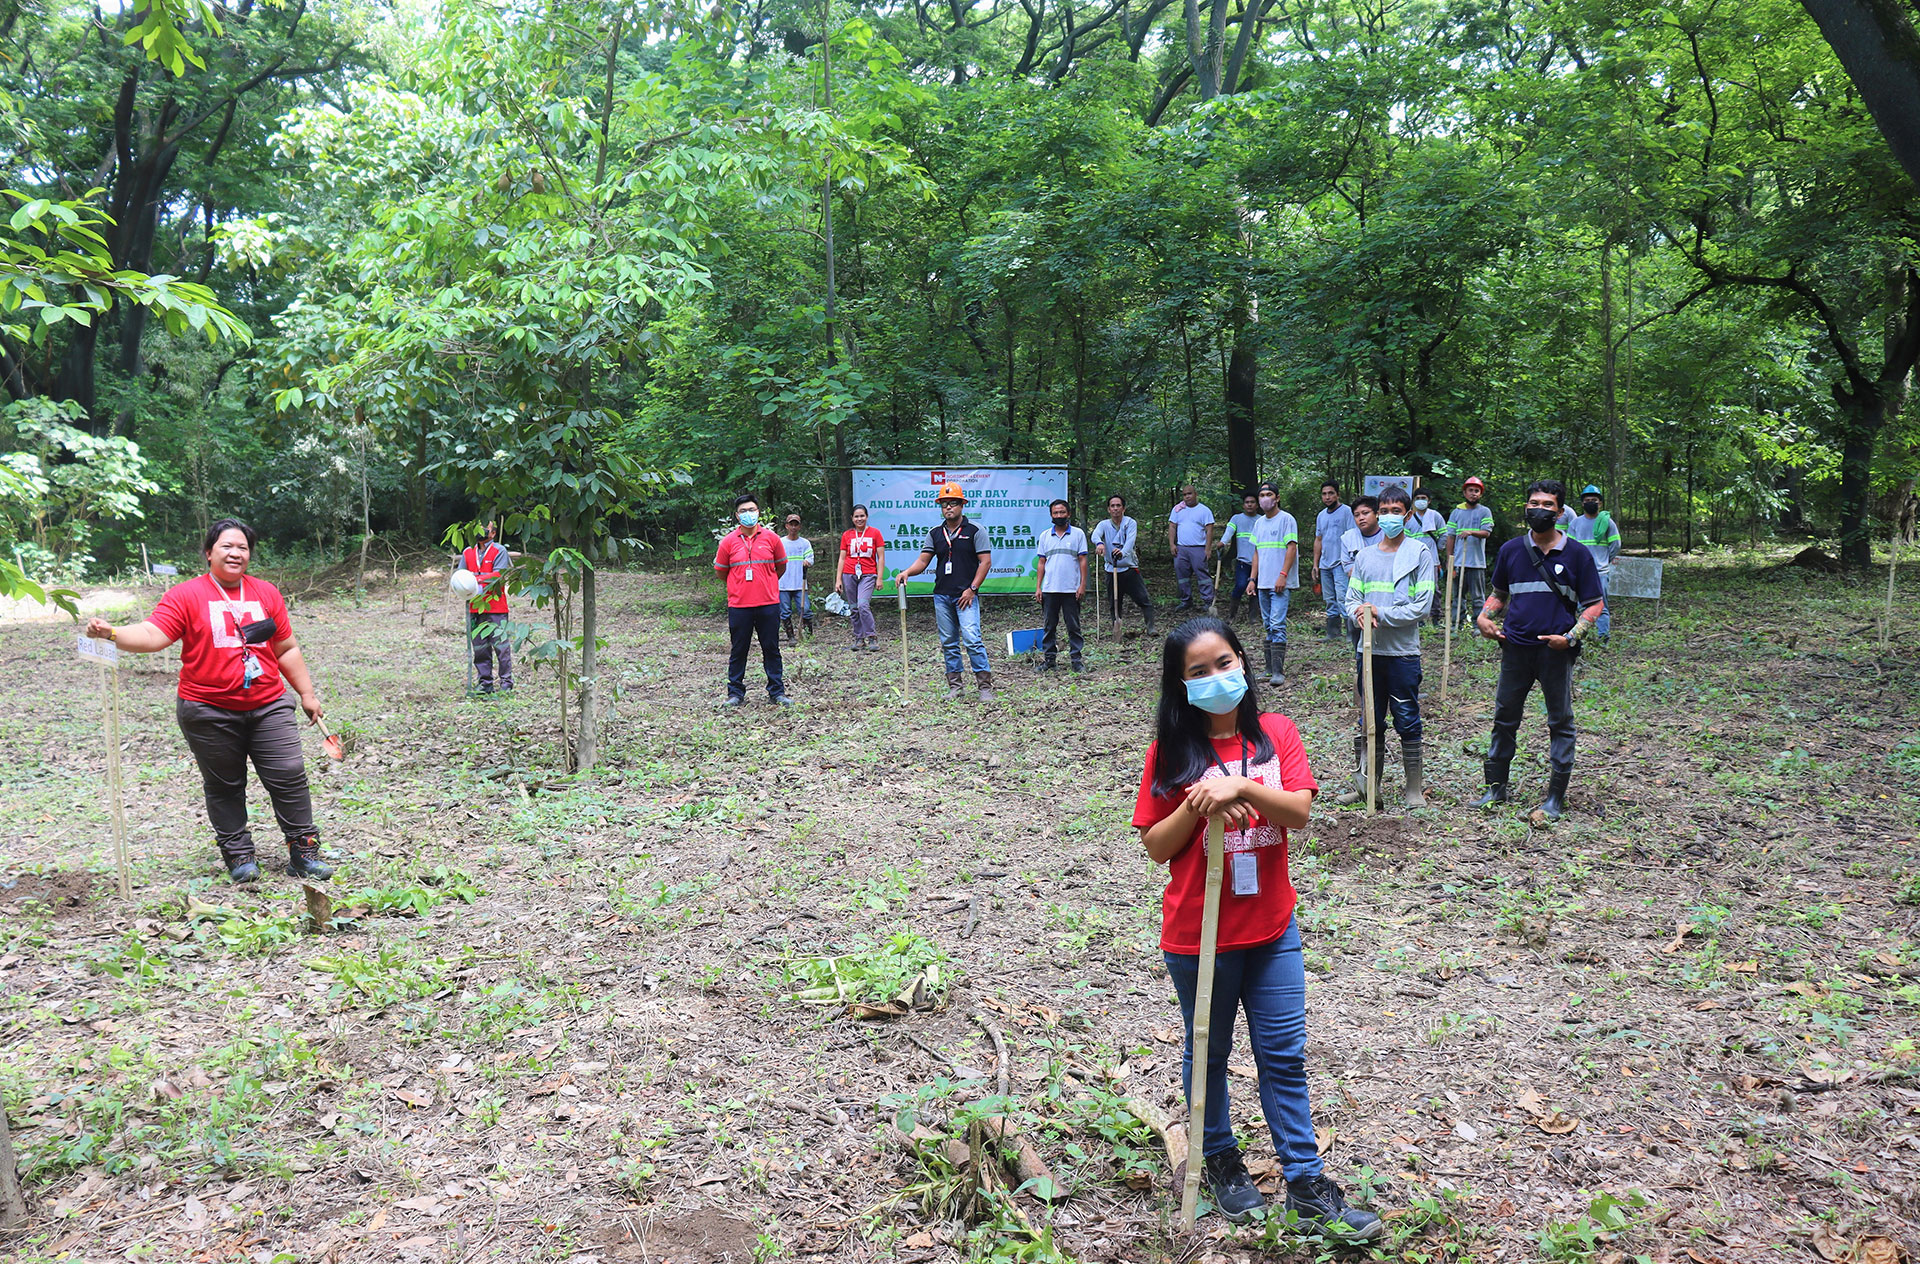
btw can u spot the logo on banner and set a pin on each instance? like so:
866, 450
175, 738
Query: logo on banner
939, 477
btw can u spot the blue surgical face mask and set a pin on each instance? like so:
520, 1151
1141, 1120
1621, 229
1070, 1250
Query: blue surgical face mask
1219, 693
1421, 504
1393, 525
749, 517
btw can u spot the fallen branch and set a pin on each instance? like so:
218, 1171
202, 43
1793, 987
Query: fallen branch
999, 1048
1172, 1135
1035, 1176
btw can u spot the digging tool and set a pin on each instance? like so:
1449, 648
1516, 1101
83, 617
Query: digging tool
1116, 604
330, 742
900, 589
1366, 691
1446, 653
106, 655
1213, 607
1216, 845
1893, 560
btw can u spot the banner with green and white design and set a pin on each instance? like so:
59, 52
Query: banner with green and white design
1008, 502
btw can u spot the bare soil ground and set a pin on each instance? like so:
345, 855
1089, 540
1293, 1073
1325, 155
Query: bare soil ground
560, 1017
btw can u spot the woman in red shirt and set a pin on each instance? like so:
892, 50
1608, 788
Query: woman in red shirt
863, 552
1216, 754
236, 648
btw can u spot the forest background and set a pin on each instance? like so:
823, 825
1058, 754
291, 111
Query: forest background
359, 270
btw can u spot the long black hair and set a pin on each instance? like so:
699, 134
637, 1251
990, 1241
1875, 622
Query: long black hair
1184, 748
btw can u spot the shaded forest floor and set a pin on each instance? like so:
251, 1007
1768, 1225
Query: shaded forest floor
558, 1017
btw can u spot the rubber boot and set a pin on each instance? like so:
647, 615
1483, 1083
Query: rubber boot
1496, 775
1410, 759
1356, 792
1153, 629
1277, 664
303, 859
1333, 628
240, 862
786, 626
806, 621
1554, 806
985, 681
954, 689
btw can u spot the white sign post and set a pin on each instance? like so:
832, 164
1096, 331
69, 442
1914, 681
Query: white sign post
106, 655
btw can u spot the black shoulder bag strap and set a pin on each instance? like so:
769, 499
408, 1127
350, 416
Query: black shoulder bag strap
1567, 596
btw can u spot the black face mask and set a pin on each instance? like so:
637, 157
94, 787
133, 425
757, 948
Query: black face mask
1541, 519
1059, 524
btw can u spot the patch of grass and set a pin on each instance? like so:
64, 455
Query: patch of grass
384, 978
869, 971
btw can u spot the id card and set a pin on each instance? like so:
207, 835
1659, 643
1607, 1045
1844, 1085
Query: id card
949, 569
749, 575
1246, 873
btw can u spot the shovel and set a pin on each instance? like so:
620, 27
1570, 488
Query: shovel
1216, 845
329, 742
1366, 688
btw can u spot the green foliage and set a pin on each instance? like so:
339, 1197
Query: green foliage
1606, 1220
871, 971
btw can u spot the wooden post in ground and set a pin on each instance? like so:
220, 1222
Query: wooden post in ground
1216, 844
1893, 560
1115, 629
1446, 653
906, 688
1369, 762
13, 1203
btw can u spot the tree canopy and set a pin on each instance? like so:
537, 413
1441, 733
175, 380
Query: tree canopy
591, 265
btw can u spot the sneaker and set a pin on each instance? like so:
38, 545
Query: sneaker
1230, 1189
1321, 1206
779, 700
733, 702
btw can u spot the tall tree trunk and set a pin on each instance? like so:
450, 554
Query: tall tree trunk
1609, 362
366, 503
588, 747
1242, 371
1876, 42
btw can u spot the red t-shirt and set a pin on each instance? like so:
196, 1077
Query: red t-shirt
484, 561
752, 567
1245, 921
206, 619
863, 551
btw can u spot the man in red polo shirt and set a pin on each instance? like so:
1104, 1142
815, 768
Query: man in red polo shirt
752, 558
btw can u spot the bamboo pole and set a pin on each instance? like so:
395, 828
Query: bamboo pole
110, 724
1446, 652
900, 589
1893, 560
1366, 693
1216, 845
1115, 629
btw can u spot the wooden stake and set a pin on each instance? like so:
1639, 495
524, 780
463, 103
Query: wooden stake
110, 723
1214, 606
906, 688
1366, 692
1893, 560
1116, 604
1446, 652
1216, 845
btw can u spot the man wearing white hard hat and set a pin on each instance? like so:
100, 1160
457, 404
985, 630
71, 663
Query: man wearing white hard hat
482, 579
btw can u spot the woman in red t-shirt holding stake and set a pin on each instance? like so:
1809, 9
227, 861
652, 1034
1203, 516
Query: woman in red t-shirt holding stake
236, 646
1215, 754
863, 555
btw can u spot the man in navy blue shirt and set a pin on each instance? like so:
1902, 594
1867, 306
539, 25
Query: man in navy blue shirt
1550, 589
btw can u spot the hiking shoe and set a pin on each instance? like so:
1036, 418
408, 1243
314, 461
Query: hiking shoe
1230, 1189
733, 702
1043, 667
779, 700
303, 859
1321, 1207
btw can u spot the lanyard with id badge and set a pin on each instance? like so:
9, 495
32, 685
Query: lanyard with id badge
1244, 864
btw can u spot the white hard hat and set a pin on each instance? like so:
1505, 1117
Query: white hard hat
465, 583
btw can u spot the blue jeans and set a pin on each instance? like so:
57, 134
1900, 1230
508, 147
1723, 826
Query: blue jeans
1604, 628
1273, 613
793, 601
959, 627
1396, 689
1333, 591
1269, 981
1242, 573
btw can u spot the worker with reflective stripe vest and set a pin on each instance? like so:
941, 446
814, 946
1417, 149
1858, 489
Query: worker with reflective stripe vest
1600, 532
487, 613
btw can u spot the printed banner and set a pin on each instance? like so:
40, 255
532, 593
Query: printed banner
1636, 577
1009, 503
1374, 484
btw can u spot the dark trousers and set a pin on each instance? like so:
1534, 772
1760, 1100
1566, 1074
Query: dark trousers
742, 623
1056, 605
1396, 691
222, 741
488, 632
1242, 575
1132, 586
1520, 667
1470, 594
